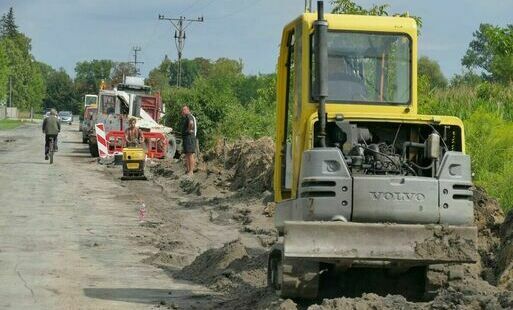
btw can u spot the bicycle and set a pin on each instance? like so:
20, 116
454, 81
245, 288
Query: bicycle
51, 149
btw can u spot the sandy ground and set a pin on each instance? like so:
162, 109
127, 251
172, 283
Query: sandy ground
69, 231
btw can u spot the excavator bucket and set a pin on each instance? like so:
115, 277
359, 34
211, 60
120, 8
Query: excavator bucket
401, 243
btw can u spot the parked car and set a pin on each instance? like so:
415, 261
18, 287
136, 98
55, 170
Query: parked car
66, 117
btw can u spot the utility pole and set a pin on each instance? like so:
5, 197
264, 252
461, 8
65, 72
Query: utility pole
137, 49
10, 91
180, 25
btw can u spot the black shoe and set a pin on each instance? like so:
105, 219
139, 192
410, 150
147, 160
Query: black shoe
46, 157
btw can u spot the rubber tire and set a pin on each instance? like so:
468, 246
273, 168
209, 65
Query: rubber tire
93, 149
51, 151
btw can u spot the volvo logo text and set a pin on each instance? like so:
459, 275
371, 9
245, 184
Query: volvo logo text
397, 196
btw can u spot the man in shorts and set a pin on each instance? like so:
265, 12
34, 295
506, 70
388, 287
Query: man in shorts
189, 139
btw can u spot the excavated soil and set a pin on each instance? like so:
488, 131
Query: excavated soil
216, 229
505, 255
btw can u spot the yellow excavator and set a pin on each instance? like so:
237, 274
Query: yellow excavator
362, 181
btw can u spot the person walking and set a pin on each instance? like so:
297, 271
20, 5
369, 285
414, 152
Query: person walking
189, 139
51, 129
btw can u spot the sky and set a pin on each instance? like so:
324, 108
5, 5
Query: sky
64, 32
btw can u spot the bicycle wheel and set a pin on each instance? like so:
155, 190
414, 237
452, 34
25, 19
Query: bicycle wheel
50, 151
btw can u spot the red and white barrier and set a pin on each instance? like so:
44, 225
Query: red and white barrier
101, 140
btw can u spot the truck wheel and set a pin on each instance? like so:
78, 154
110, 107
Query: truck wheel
93, 149
293, 278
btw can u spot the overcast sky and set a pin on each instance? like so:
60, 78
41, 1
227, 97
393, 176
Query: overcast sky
64, 32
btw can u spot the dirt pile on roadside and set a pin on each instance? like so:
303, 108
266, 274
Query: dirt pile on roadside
505, 256
211, 268
250, 163
235, 271
488, 217
162, 168
462, 295
367, 301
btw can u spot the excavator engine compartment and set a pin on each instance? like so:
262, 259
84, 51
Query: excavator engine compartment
384, 148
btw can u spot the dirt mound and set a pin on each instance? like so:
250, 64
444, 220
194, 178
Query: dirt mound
505, 257
488, 217
232, 269
211, 267
190, 186
163, 258
465, 295
250, 163
163, 168
367, 301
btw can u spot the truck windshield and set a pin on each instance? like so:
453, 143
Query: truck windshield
90, 100
368, 68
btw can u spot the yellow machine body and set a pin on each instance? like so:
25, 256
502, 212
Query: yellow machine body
133, 163
296, 111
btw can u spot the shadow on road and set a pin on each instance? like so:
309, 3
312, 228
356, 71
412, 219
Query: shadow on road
141, 295
26, 163
76, 155
80, 151
71, 142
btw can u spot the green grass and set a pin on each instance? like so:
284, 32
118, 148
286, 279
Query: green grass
9, 124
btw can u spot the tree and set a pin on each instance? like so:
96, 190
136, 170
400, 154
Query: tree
191, 69
89, 75
431, 69
159, 78
491, 51
61, 92
466, 78
122, 70
350, 7
4, 73
8, 27
27, 82
28, 86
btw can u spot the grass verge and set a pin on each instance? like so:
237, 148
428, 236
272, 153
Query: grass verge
9, 124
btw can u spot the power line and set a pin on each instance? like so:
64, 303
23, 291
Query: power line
180, 25
136, 49
189, 7
240, 10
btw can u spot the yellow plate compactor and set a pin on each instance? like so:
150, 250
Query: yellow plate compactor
133, 164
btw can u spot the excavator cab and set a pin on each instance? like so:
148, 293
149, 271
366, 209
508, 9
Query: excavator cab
361, 180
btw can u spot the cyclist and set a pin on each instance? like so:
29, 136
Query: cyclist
51, 128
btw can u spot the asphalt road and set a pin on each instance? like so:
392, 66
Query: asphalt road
67, 232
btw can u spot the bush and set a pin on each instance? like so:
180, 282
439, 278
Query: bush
226, 103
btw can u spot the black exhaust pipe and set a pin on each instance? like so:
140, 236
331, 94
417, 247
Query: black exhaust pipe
321, 69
